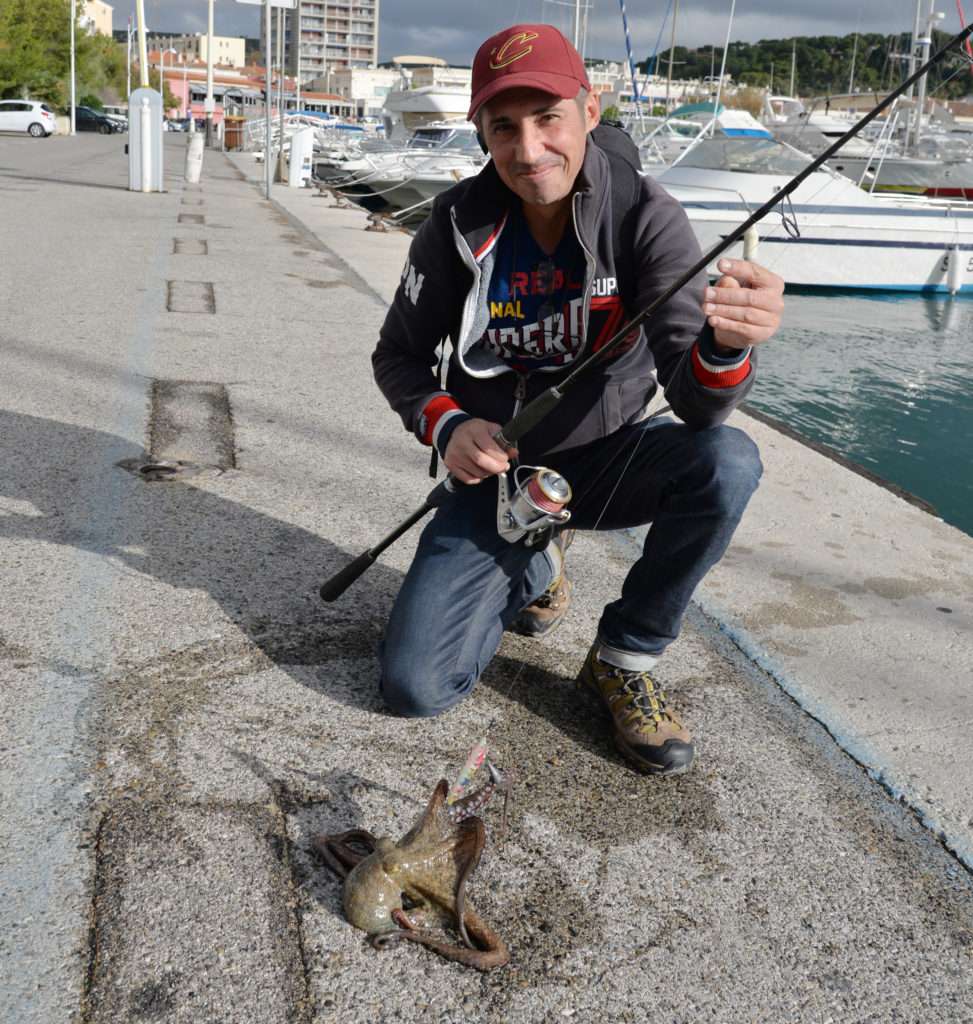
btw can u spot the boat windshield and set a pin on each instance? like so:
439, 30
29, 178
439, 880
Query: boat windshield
749, 155
444, 138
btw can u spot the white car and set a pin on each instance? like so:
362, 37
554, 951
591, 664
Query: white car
37, 119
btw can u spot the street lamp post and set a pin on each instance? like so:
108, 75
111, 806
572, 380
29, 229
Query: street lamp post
74, 15
162, 84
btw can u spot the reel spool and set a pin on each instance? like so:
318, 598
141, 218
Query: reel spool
531, 498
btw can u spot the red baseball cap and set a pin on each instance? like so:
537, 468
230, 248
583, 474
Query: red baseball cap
533, 56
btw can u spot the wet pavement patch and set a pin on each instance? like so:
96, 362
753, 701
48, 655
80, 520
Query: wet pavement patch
191, 218
190, 247
190, 297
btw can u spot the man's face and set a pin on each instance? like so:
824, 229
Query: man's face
537, 141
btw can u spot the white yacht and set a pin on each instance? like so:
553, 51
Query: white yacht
829, 233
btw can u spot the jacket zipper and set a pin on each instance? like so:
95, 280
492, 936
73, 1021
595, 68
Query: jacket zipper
520, 391
591, 268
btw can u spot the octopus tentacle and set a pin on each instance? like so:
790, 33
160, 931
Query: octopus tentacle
336, 852
489, 952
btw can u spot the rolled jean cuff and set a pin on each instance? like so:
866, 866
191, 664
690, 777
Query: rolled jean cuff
631, 661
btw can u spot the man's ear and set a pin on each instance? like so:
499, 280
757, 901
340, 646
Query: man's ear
592, 111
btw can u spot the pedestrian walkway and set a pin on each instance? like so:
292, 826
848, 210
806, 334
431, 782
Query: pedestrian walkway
191, 443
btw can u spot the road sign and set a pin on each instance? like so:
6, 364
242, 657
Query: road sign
289, 5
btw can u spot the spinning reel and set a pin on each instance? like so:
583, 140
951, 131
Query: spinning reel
530, 500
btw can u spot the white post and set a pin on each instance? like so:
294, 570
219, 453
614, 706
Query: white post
209, 77
145, 139
267, 178
577, 25
128, 64
143, 49
280, 92
298, 86
74, 103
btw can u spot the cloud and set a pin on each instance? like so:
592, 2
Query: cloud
445, 28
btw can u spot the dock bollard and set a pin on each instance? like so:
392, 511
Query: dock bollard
194, 157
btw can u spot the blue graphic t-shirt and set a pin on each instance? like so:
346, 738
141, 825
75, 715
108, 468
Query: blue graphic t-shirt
535, 299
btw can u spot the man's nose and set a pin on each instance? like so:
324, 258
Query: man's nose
530, 144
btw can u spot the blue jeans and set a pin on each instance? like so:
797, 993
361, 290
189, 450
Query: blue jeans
466, 584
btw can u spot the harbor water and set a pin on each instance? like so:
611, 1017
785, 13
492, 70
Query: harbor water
884, 381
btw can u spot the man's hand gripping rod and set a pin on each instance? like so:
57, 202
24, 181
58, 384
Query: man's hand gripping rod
537, 409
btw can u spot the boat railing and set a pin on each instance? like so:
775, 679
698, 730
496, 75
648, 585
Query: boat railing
713, 188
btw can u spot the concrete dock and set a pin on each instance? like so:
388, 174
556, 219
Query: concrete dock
181, 713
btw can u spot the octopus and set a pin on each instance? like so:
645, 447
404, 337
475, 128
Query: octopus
414, 889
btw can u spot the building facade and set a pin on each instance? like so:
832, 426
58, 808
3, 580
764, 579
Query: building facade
228, 51
365, 89
332, 34
95, 17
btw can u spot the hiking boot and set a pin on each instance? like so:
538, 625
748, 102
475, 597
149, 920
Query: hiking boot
646, 731
539, 618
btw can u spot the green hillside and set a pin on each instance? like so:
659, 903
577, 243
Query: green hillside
823, 64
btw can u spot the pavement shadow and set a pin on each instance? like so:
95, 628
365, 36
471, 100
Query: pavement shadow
62, 181
262, 571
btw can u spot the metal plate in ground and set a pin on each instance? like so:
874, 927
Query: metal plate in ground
191, 918
190, 297
190, 247
193, 202
191, 218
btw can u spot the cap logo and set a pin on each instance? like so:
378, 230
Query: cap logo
513, 49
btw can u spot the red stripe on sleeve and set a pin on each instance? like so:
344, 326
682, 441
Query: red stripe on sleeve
433, 413
712, 378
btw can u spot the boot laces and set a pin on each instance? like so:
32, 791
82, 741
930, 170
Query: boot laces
642, 696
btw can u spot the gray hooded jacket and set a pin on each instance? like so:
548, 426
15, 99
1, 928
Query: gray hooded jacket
443, 294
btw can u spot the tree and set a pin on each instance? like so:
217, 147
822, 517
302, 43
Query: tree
35, 49
611, 113
35, 54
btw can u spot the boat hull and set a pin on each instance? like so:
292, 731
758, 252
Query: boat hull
843, 240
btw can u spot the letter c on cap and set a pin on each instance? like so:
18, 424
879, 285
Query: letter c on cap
502, 56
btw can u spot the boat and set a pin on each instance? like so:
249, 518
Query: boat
938, 167
667, 139
829, 233
397, 177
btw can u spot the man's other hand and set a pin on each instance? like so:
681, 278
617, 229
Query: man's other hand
472, 455
745, 306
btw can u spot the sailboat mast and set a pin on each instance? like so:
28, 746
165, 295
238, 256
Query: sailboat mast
793, 66
926, 42
854, 55
577, 25
672, 50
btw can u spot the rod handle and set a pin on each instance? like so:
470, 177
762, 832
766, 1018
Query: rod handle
333, 588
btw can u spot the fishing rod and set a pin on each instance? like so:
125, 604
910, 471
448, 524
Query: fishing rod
541, 406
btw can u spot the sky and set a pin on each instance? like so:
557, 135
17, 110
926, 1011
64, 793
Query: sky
445, 28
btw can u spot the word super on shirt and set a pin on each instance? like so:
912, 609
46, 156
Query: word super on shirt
536, 300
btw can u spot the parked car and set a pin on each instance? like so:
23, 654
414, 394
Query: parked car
177, 124
37, 119
88, 120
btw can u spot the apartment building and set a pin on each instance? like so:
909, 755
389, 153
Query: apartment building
95, 17
228, 51
333, 34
